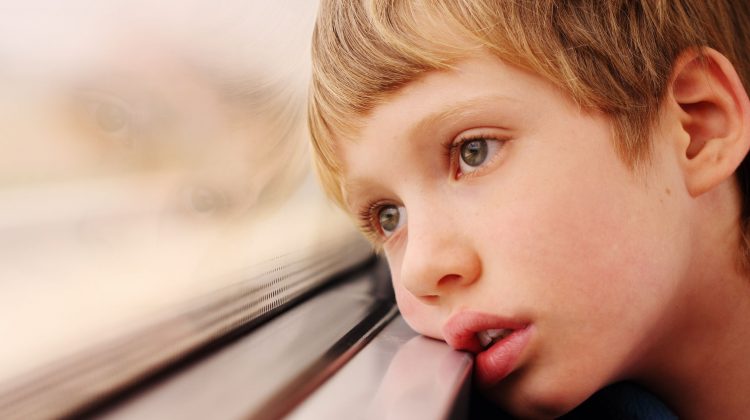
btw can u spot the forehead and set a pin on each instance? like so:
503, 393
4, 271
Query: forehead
478, 91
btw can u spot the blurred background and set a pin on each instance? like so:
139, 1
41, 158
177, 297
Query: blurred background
153, 154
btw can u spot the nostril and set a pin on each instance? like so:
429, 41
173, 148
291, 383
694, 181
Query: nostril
430, 299
450, 279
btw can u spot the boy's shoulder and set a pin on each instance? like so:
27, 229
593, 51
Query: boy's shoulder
620, 401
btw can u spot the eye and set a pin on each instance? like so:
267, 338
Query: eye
474, 153
390, 218
106, 116
110, 117
205, 201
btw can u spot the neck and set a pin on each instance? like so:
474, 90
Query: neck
700, 367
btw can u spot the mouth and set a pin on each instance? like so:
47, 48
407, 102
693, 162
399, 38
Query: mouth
489, 337
497, 342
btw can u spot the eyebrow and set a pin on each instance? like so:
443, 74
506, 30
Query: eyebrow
454, 111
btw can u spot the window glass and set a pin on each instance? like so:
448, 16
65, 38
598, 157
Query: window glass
154, 157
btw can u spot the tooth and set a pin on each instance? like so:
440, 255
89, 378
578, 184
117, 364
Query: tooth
498, 333
495, 333
491, 336
484, 338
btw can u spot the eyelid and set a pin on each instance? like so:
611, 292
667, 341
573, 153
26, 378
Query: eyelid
466, 136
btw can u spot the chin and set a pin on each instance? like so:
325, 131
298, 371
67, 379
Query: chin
542, 399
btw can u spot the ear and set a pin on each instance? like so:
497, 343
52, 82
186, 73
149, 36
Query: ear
714, 114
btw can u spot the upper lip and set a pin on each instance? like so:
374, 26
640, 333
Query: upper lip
460, 331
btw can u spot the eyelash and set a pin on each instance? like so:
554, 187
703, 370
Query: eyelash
369, 212
453, 147
367, 220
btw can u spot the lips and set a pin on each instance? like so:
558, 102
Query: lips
505, 338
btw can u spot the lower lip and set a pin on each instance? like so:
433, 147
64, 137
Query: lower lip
495, 363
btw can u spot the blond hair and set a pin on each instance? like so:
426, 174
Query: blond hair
614, 56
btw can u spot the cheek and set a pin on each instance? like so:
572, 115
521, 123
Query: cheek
597, 251
581, 228
595, 264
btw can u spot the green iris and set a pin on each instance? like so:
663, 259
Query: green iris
474, 152
389, 218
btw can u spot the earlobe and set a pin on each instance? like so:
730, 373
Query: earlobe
714, 114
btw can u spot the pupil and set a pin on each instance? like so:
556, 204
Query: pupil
110, 118
474, 152
389, 217
204, 200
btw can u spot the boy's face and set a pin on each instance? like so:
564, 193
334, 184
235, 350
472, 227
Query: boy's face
532, 224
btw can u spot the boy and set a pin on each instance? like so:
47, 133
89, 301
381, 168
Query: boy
559, 186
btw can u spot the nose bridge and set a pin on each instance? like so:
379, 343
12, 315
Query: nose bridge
440, 255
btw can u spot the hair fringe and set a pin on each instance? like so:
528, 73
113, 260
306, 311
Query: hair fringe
612, 56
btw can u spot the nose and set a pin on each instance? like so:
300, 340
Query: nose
439, 259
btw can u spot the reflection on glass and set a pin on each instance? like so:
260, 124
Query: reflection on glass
153, 152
